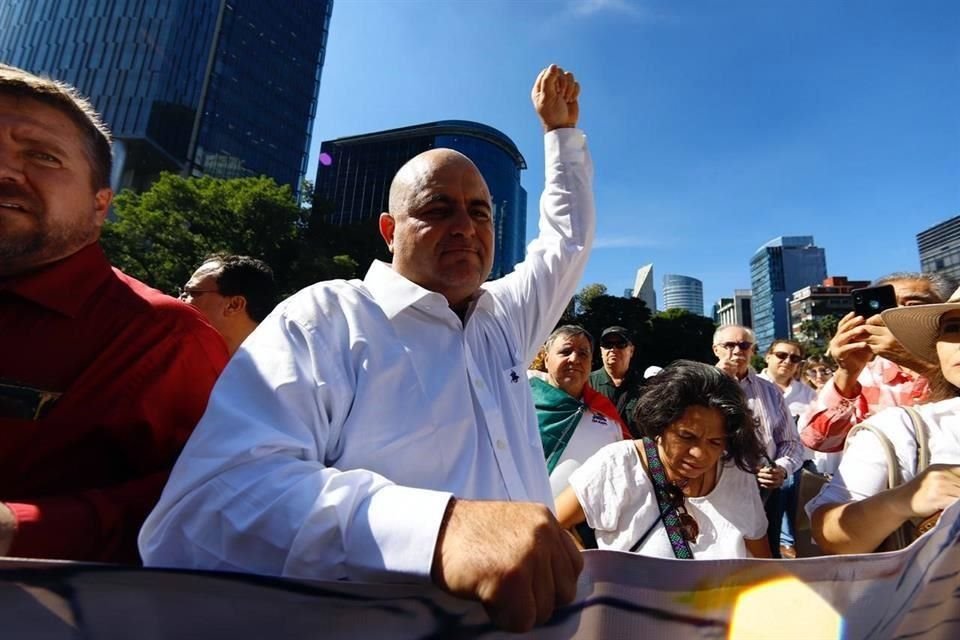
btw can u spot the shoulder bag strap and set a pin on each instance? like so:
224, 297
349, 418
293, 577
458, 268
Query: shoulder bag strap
893, 469
923, 438
671, 522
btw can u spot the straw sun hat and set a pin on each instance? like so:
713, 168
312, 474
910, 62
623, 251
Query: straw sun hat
917, 327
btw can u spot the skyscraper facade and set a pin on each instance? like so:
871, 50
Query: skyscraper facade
354, 175
643, 287
778, 268
221, 88
939, 248
682, 292
735, 310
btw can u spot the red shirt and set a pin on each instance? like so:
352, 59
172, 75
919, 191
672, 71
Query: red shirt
135, 368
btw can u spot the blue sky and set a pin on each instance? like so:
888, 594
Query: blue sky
714, 126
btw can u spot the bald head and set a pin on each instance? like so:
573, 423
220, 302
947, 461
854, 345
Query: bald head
440, 224
413, 175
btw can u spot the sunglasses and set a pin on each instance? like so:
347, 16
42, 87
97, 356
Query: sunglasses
819, 371
783, 355
25, 403
730, 346
614, 344
688, 525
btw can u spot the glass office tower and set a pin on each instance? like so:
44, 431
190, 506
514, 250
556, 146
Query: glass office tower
778, 268
202, 87
354, 175
682, 292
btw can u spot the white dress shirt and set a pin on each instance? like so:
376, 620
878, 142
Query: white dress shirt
863, 469
777, 429
337, 434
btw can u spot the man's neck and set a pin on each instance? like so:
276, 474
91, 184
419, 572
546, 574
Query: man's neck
616, 376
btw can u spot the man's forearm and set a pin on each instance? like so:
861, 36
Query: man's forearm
857, 527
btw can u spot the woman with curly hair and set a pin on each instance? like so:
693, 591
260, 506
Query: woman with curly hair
683, 488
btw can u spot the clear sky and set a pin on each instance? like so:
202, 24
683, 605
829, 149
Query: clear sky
714, 126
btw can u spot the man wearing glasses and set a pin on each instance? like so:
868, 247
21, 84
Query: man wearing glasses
734, 346
783, 359
616, 379
101, 377
234, 294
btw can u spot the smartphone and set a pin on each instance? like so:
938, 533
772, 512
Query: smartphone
872, 300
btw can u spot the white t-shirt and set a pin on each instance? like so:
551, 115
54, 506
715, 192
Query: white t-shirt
593, 432
618, 498
863, 469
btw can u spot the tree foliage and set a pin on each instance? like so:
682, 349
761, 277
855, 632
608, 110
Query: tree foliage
161, 235
815, 335
660, 338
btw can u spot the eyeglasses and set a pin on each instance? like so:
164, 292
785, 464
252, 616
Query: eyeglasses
614, 344
688, 525
193, 293
783, 355
730, 346
819, 371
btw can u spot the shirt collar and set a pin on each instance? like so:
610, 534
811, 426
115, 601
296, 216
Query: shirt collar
63, 286
394, 293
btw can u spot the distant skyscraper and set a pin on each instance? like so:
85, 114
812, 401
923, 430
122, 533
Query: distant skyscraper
778, 268
682, 292
354, 176
218, 87
643, 287
939, 248
735, 310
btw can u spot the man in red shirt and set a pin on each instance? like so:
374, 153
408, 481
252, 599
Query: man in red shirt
102, 378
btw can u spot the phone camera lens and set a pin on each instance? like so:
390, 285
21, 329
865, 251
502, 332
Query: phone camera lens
874, 304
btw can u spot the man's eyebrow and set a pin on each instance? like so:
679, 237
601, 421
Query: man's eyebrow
927, 297
39, 141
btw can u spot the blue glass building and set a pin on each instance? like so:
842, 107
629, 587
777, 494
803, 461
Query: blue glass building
778, 268
202, 87
682, 292
354, 175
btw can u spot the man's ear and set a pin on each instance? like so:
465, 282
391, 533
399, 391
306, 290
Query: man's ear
101, 204
387, 226
235, 305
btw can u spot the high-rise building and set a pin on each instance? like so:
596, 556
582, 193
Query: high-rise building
778, 268
225, 88
735, 310
643, 287
354, 175
815, 302
939, 248
682, 292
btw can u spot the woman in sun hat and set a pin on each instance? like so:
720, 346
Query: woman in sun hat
856, 512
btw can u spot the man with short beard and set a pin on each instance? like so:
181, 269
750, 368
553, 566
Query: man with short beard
101, 378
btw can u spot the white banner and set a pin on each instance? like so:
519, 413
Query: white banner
914, 593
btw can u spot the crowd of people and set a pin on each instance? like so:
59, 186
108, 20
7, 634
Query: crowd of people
390, 428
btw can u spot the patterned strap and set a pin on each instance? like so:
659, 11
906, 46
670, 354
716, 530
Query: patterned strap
668, 514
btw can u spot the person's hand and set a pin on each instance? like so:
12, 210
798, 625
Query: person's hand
934, 489
728, 367
880, 340
771, 477
848, 347
511, 556
8, 526
555, 97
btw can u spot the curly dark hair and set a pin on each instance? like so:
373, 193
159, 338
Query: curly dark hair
666, 396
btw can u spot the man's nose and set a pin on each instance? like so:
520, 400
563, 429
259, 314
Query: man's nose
11, 165
462, 223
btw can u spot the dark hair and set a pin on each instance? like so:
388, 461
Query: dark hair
61, 96
682, 384
568, 331
792, 343
247, 277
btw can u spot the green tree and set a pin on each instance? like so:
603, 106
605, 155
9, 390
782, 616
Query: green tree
815, 335
162, 234
586, 296
607, 311
676, 334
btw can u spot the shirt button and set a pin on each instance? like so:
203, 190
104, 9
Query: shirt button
501, 444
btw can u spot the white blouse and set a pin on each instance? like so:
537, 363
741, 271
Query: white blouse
618, 498
863, 470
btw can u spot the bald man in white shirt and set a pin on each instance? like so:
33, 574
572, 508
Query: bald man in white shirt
382, 430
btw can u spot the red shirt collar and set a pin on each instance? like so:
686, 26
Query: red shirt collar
63, 286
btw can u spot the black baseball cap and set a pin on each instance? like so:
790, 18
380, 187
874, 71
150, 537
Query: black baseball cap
616, 331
